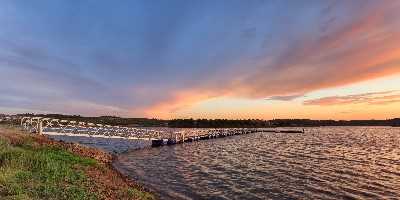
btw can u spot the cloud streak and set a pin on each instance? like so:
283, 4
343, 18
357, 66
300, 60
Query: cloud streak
372, 98
285, 98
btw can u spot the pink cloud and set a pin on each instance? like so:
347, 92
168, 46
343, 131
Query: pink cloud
373, 98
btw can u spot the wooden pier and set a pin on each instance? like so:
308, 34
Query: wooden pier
158, 137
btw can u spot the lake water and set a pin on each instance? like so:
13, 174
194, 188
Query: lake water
322, 163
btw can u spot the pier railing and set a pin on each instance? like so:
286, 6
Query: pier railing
51, 126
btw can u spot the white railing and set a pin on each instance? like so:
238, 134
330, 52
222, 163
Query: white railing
53, 126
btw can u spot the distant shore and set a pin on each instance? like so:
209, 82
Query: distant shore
217, 123
35, 167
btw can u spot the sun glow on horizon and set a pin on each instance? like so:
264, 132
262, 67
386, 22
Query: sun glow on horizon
242, 108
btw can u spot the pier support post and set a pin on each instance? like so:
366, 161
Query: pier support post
40, 127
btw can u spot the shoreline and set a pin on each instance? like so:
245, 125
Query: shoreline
102, 179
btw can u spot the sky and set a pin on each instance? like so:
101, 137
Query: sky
232, 59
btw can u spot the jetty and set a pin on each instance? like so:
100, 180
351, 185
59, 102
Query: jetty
157, 136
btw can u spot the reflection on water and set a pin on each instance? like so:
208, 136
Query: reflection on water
111, 145
323, 163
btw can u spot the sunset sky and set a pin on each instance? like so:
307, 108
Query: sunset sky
201, 59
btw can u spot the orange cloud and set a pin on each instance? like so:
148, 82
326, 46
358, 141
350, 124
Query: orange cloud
373, 98
179, 100
366, 49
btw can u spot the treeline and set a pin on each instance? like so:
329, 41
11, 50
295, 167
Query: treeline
217, 123
256, 123
109, 120
396, 122
311, 123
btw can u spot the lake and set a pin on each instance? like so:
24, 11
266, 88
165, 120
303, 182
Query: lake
322, 163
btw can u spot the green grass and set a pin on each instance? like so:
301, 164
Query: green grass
29, 172
133, 193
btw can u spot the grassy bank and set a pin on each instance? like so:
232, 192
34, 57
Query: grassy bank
33, 167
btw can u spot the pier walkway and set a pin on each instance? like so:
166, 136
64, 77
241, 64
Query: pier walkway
158, 137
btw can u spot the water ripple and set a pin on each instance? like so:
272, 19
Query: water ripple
323, 163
